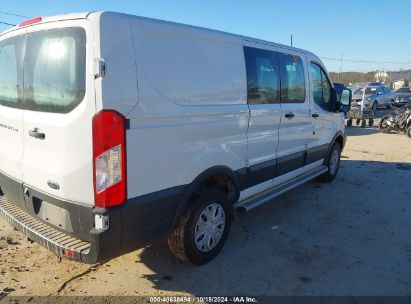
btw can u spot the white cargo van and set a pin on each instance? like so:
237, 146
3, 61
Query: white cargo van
117, 131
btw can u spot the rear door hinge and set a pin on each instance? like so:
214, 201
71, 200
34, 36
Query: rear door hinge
99, 68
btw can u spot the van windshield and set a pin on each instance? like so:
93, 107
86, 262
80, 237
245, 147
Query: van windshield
50, 77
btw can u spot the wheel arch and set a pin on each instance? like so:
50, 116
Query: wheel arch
340, 138
218, 176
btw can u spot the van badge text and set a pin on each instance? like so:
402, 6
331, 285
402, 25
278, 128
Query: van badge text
9, 127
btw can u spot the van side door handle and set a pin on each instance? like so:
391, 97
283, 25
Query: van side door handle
289, 115
36, 134
315, 115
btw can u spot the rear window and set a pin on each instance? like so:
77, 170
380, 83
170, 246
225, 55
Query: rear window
11, 86
54, 70
368, 90
50, 77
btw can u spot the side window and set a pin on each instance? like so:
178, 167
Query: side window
292, 79
263, 81
326, 88
315, 72
321, 87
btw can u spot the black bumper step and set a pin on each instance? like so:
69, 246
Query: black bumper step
53, 239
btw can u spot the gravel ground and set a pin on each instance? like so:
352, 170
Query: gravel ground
349, 237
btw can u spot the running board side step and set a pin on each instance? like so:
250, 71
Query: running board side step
269, 194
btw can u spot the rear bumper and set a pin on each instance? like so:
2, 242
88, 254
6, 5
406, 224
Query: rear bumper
98, 246
137, 223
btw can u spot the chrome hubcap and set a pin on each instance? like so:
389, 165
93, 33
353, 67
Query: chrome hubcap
335, 157
210, 227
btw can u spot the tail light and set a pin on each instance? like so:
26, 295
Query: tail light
109, 158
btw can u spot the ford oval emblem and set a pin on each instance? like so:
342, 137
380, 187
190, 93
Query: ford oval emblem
53, 185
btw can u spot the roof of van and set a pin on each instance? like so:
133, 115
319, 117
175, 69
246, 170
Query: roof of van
45, 19
84, 15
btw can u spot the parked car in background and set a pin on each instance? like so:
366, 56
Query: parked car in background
359, 85
373, 97
402, 97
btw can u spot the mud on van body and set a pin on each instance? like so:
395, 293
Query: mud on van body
117, 131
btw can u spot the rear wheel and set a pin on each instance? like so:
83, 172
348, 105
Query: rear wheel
203, 229
332, 162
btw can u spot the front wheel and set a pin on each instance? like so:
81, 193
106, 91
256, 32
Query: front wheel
332, 162
384, 127
408, 132
203, 229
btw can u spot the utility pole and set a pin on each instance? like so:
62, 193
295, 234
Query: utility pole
291, 39
341, 62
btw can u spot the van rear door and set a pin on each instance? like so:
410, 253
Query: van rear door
60, 105
11, 114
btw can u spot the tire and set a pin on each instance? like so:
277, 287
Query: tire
363, 123
349, 122
383, 124
408, 132
332, 162
182, 241
370, 122
374, 106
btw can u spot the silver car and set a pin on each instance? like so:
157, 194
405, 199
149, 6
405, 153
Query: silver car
373, 97
403, 97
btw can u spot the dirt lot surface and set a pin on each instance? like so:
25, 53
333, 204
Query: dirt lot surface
350, 237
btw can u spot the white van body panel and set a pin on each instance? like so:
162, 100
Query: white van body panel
191, 121
113, 43
65, 155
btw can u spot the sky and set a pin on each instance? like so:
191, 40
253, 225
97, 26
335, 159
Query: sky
378, 32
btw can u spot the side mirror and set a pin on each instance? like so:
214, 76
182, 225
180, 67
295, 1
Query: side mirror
379, 93
345, 100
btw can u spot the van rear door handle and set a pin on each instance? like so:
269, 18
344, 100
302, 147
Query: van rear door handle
289, 115
315, 115
35, 133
